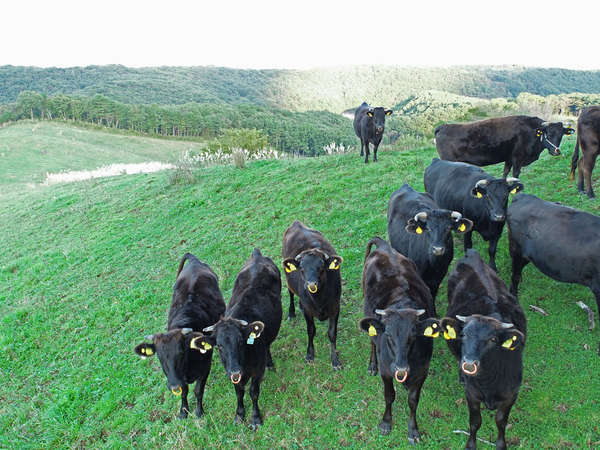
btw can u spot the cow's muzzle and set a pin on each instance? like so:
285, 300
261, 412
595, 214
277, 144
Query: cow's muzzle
379, 130
236, 377
312, 287
438, 251
498, 217
470, 367
401, 375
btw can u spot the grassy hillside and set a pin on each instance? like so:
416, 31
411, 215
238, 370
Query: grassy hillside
332, 89
86, 271
28, 150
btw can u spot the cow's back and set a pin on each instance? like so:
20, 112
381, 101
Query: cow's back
360, 112
298, 237
450, 184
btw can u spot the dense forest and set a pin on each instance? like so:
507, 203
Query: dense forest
332, 89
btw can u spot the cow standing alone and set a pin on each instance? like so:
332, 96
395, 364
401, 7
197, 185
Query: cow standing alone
588, 139
515, 140
197, 303
399, 311
485, 329
369, 125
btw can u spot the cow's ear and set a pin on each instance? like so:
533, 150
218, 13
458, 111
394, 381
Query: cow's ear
450, 328
334, 262
429, 327
290, 265
203, 343
254, 331
511, 339
515, 187
144, 349
478, 192
463, 225
568, 130
372, 326
415, 226
388, 112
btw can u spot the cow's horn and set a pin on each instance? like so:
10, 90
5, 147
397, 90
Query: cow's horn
481, 183
381, 312
461, 318
149, 337
420, 311
456, 215
422, 216
243, 322
545, 124
512, 180
506, 325
209, 329
186, 330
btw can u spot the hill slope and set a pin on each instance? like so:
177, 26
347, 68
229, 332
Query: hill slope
89, 269
333, 89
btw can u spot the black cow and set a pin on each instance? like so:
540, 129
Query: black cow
197, 302
421, 231
399, 311
562, 242
245, 334
475, 194
485, 329
369, 125
312, 272
588, 138
515, 140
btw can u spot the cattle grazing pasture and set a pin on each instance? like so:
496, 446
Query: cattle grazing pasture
87, 269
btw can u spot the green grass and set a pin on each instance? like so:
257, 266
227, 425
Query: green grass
86, 271
28, 150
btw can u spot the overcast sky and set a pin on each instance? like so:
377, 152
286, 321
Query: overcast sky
300, 34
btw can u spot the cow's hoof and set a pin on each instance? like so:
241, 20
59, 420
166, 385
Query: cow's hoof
238, 419
385, 428
256, 424
271, 368
414, 437
372, 371
591, 195
337, 366
182, 415
291, 316
199, 412
309, 358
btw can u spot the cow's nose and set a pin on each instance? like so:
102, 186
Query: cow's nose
236, 377
470, 367
312, 287
498, 217
437, 251
401, 374
380, 129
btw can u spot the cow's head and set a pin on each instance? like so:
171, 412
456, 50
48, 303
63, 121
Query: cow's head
395, 331
550, 135
378, 115
493, 195
313, 265
436, 225
230, 336
172, 349
478, 335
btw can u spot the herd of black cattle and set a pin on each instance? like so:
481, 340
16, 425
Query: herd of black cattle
485, 326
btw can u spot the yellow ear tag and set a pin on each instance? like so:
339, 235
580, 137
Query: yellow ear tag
509, 342
290, 268
450, 333
372, 331
334, 265
479, 194
253, 335
514, 191
149, 351
462, 227
206, 346
430, 333
419, 230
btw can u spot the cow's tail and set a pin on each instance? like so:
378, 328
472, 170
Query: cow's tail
183, 260
574, 159
377, 242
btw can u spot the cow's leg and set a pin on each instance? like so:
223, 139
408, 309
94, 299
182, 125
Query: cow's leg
501, 421
199, 393
414, 392
516, 170
362, 147
375, 147
580, 186
367, 152
518, 263
183, 411
373, 360
389, 394
474, 420
254, 393
240, 412
310, 330
292, 309
468, 237
596, 291
589, 161
270, 364
507, 166
332, 333
492, 252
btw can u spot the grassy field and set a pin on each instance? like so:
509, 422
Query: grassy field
28, 150
86, 271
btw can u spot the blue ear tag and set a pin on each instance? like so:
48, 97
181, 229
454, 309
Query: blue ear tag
250, 340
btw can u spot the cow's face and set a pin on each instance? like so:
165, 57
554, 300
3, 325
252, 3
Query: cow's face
550, 135
479, 335
313, 265
378, 116
230, 336
436, 225
395, 332
172, 351
493, 195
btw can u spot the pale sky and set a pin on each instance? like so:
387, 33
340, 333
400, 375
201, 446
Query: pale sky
300, 34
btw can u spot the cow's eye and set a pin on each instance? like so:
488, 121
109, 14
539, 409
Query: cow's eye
494, 339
